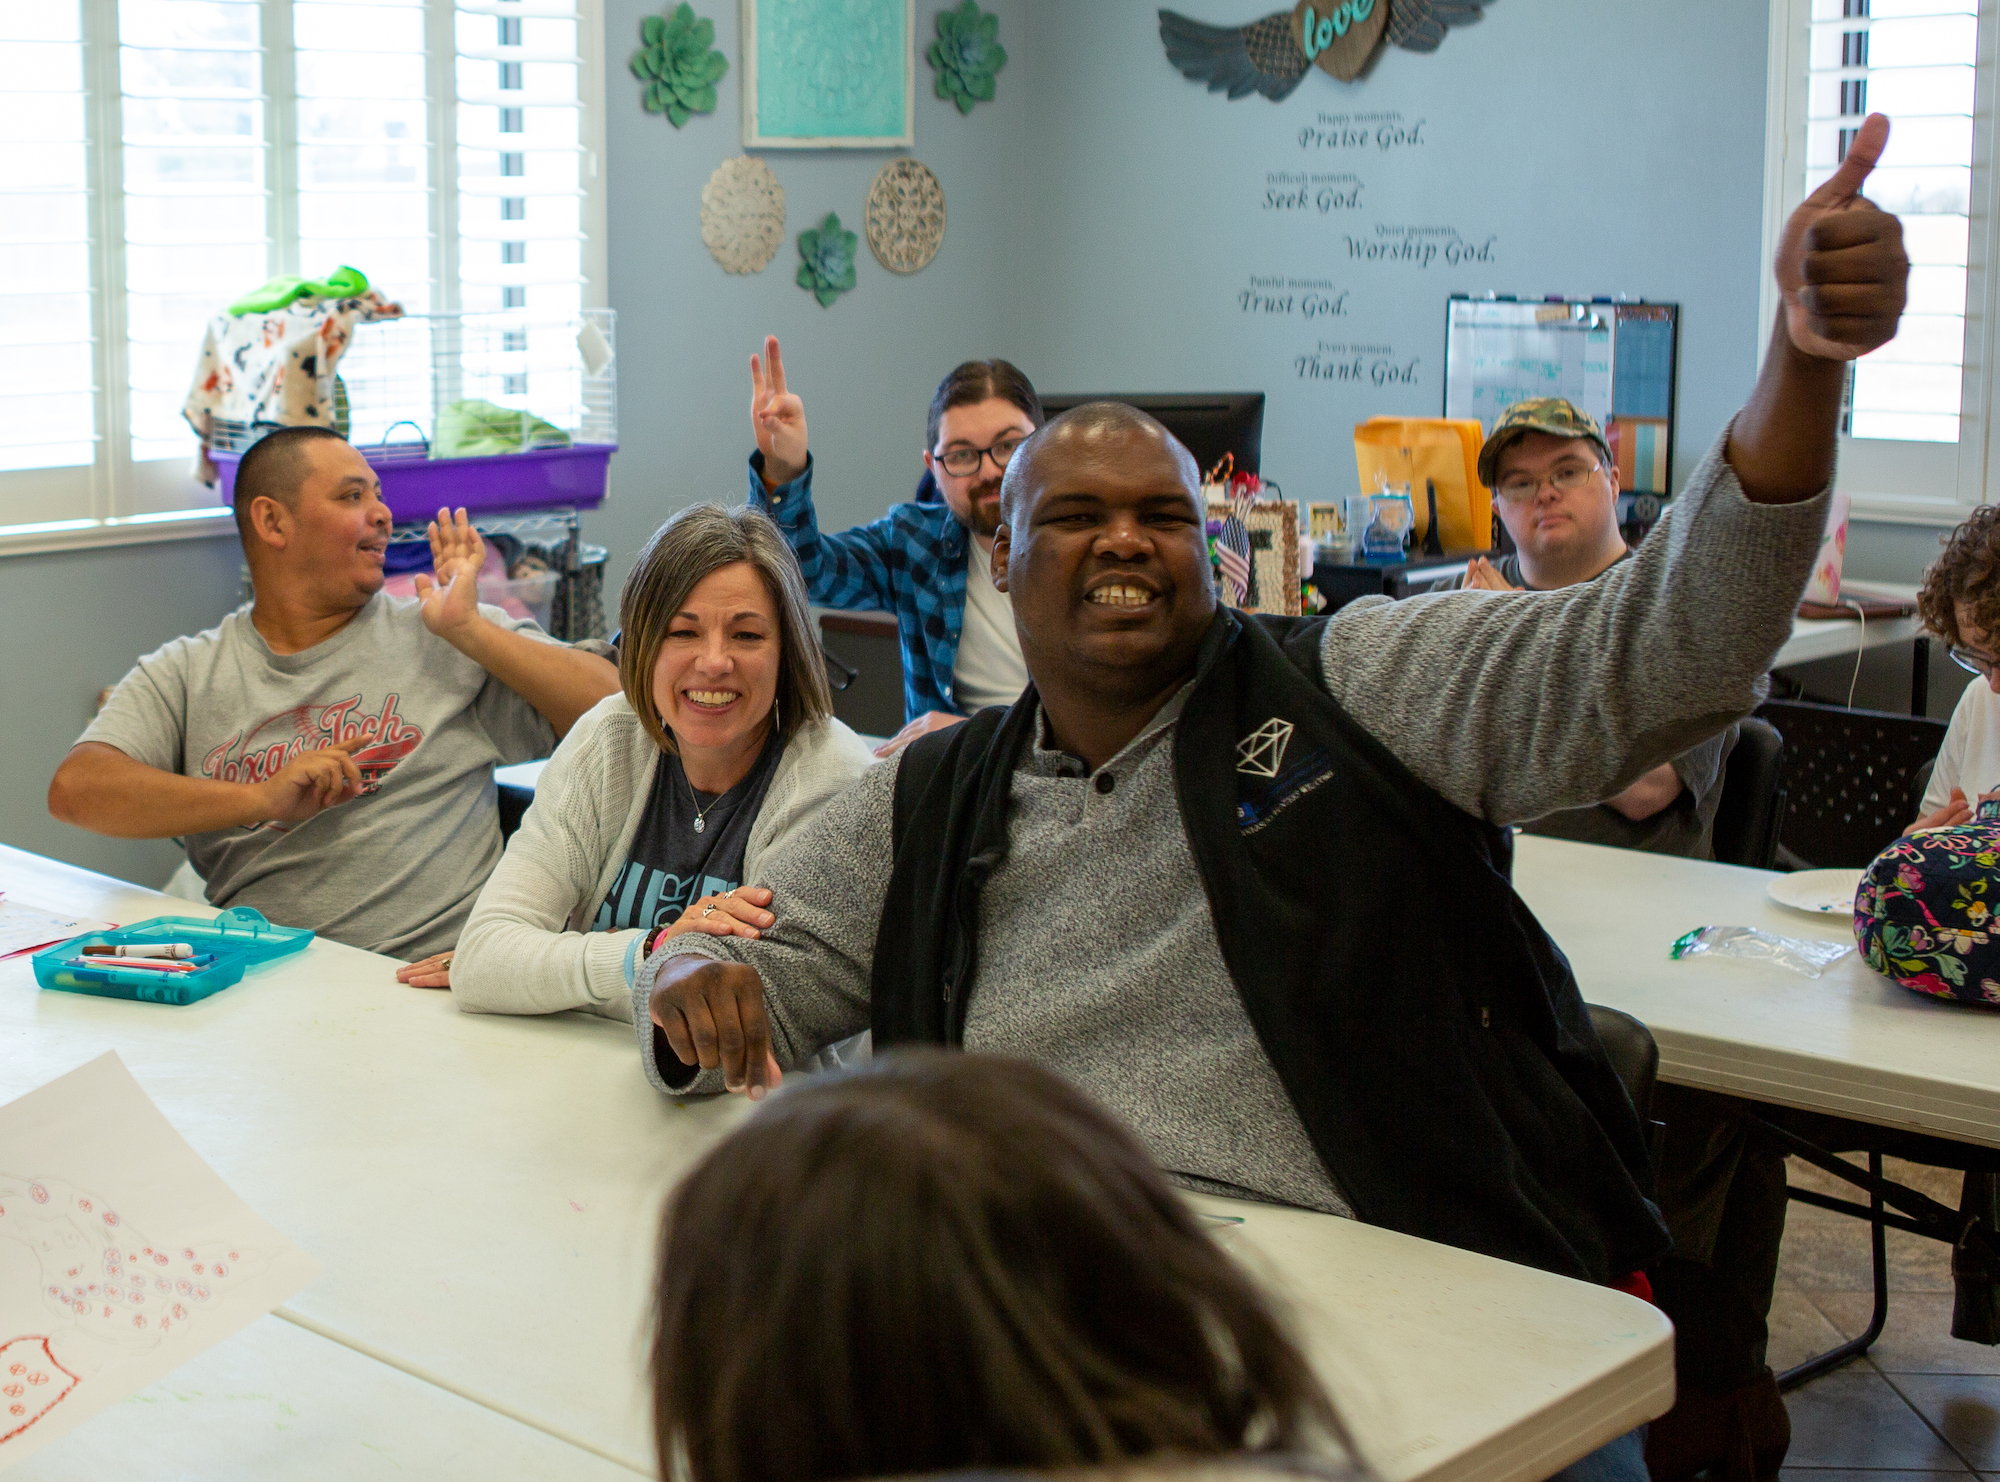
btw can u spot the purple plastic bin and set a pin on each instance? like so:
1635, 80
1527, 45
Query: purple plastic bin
416, 488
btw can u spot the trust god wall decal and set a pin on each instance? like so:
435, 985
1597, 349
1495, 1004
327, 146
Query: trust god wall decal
1271, 55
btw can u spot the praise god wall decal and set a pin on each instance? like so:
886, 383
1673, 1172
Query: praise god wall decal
1271, 55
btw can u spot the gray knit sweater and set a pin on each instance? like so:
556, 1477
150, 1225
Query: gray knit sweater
1097, 955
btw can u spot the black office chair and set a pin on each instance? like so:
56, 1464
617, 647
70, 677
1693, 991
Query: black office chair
514, 803
1753, 798
1847, 779
1636, 1059
1920, 783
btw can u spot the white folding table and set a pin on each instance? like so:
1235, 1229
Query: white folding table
485, 1192
1851, 1043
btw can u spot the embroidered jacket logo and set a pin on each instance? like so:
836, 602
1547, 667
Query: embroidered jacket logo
268, 747
1262, 752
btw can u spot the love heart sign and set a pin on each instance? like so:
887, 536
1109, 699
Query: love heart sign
1339, 36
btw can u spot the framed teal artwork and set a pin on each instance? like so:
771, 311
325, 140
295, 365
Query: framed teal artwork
829, 74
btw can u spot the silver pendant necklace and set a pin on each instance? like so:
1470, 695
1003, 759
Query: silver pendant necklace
700, 813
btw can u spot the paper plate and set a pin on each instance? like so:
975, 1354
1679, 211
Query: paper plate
1822, 892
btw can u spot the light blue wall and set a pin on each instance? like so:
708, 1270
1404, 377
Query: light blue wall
1600, 148
866, 367
70, 625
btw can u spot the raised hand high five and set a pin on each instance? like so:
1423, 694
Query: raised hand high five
1841, 265
777, 417
451, 599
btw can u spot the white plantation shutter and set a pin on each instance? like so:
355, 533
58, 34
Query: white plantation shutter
364, 173
1918, 423
47, 349
159, 158
520, 153
193, 152
1916, 61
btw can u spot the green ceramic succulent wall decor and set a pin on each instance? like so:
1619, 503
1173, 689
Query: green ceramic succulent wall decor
966, 54
678, 64
828, 269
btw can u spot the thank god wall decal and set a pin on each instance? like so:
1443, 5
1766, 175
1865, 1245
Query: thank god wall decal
1341, 37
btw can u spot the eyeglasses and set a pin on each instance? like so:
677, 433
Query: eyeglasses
1974, 663
1521, 487
963, 463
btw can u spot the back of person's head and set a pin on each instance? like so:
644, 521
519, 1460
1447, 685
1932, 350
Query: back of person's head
943, 1261
697, 542
1962, 586
977, 381
274, 468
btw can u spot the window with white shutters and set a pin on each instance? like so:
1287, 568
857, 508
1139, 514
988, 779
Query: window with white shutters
160, 158
48, 383
1918, 412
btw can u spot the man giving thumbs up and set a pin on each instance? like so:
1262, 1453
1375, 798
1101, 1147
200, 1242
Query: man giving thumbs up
1842, 273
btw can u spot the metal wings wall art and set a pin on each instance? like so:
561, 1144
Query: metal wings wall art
1271, 56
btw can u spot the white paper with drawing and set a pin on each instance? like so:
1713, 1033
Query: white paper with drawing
122, 1254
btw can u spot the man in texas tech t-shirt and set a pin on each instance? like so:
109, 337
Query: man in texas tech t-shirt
327, 753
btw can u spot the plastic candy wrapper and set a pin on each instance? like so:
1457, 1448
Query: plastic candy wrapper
1808, 958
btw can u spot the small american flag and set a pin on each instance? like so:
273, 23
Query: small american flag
1232, 555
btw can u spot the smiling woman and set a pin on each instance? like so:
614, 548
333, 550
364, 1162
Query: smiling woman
662, 809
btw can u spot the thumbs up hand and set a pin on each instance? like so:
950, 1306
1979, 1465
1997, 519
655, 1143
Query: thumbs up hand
1841, 267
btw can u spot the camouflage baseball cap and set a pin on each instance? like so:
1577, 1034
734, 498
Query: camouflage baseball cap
1554, 415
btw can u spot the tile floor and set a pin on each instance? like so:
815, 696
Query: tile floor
1922, 1406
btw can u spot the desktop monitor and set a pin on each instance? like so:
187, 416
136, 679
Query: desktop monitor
1210, 423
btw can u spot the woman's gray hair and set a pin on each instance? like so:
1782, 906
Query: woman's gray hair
694, 544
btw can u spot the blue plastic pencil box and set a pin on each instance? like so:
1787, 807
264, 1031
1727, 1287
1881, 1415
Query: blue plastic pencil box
240, 938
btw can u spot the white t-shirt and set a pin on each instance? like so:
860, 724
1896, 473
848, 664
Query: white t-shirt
394, 870
989, 669
1970, 757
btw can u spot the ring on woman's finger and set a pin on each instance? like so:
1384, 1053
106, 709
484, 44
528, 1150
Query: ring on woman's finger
708, 910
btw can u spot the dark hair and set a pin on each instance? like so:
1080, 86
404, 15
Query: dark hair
273, 469
977, 381
1968, 571
695, 543
943, 1261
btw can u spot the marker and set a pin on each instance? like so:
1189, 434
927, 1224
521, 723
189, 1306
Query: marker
148, 964
139, 949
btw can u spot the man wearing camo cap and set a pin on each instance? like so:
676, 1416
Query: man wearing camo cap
1556, 487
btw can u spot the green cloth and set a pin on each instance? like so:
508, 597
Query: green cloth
479, 429
342, 282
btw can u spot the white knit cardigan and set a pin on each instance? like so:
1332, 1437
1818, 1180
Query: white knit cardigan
528, 948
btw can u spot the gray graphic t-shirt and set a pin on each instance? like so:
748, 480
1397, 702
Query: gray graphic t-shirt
394, 870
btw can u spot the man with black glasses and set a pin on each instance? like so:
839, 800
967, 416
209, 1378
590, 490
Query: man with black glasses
928, 561
1556, 488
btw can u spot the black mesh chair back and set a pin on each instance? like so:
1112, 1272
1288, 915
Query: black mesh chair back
1753, 797
1920, 783
1847, 779
1633, 1054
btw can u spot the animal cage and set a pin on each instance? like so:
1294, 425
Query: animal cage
493, 411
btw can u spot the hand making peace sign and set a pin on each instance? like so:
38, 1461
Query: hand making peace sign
777, 417
1841, 266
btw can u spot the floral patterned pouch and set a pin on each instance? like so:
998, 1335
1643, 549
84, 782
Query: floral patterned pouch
1925, 912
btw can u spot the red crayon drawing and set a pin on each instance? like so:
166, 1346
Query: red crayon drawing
32, 1383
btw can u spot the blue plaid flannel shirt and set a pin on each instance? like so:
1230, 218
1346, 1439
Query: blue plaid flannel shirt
911, 562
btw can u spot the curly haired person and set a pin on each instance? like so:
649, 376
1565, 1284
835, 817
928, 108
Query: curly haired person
1960, 603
